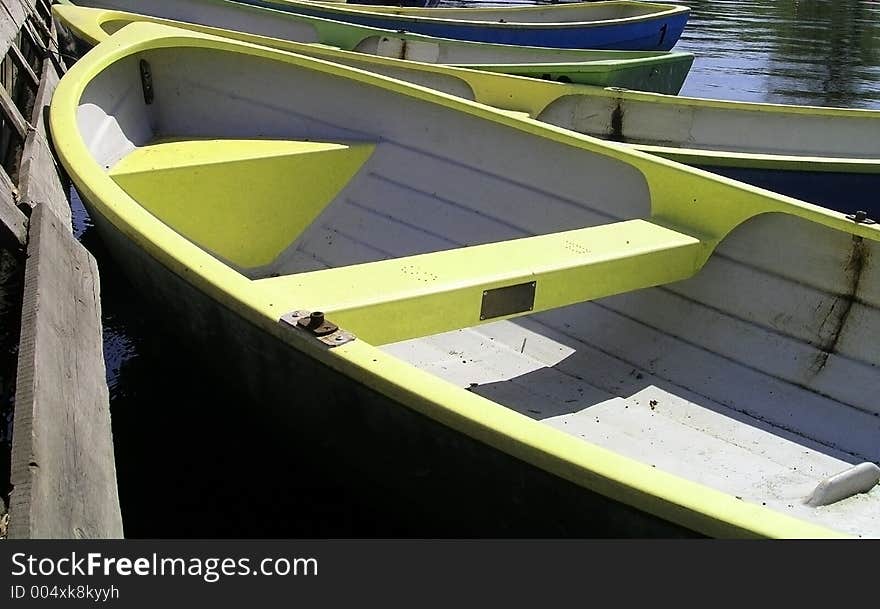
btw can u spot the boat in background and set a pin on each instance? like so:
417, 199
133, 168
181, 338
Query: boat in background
827, 156
606, 341
618, 24
410, 3
663, 72
90, 26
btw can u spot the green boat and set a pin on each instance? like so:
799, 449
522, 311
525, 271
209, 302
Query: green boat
644, 70
603, 342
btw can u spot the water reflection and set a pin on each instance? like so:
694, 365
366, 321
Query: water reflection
820, 52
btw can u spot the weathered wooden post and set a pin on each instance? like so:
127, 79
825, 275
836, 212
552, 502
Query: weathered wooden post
63, 473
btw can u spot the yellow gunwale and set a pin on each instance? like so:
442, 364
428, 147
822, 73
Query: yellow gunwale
729, 158
670, 497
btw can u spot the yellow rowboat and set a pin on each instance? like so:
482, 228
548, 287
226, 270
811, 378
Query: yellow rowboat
515, 319
643, 70
827, 156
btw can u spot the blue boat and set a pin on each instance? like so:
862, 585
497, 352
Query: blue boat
414, 3
621, 25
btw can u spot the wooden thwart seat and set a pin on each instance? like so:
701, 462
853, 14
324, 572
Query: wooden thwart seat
403, 298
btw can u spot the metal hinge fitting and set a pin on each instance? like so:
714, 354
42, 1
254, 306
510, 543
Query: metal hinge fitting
318, 326
860, 217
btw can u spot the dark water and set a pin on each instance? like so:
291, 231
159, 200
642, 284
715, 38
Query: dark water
11, 283
194, 456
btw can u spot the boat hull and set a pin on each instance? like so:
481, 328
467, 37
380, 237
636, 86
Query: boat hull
826, 156
658, 77
412, 3
846, 192
437, 480
657, 34
645, 71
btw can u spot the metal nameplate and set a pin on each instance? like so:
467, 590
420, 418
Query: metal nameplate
508, 300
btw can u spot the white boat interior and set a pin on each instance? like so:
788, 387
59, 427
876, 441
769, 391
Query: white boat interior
757, 376
225, 14
720, 126
720, 379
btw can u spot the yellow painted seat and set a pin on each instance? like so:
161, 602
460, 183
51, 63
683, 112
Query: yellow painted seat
243, 200
440, 291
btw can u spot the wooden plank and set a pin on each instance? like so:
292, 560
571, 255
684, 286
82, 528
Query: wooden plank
12, 16
33, 28
63, 468
15, 53
6, 183
13, 223
39, 177
42, 9
10, 110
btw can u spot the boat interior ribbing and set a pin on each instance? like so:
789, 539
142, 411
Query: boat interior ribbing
590, 291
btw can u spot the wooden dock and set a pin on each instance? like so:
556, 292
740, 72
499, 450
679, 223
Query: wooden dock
63, 473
